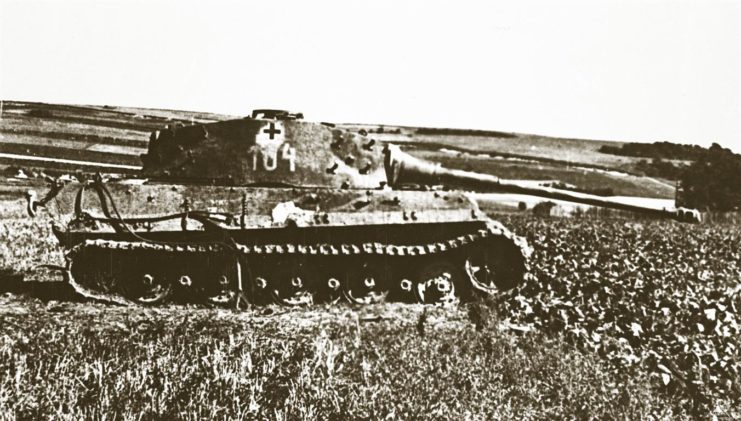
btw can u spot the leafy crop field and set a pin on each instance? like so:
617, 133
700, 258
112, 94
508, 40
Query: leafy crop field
619, 319
659, 297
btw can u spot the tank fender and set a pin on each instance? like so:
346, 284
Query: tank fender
287, 213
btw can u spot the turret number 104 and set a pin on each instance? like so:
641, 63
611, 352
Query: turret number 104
266, 158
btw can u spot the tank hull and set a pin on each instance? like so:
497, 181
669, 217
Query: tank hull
151, 243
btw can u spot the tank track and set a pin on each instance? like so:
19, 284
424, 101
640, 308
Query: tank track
258, 262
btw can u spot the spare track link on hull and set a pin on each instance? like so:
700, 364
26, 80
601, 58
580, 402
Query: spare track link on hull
452, 269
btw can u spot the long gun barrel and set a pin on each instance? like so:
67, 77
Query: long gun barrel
402, 168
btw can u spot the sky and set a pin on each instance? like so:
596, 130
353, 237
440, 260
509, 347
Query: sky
602, 69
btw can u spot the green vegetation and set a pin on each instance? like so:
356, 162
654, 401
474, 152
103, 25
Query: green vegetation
709, 176
660, 168
713, 181
658, 297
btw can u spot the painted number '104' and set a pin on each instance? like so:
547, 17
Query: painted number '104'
267, 158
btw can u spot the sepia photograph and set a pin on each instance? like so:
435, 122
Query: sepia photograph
370, 210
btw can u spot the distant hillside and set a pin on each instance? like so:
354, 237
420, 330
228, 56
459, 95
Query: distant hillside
56, 138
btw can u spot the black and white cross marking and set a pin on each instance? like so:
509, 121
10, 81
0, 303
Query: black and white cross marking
272, 131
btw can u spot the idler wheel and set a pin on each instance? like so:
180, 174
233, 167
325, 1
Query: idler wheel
366, 284
481, 270
437, 281
497, 267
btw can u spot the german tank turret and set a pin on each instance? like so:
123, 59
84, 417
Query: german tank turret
271, 208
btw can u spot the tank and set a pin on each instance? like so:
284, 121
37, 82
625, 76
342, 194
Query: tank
272, 208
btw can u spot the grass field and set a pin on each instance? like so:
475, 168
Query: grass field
88, 361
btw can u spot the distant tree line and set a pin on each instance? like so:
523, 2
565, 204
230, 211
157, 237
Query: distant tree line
713, 181
657, 150
382, 130
657, 167
463, 132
